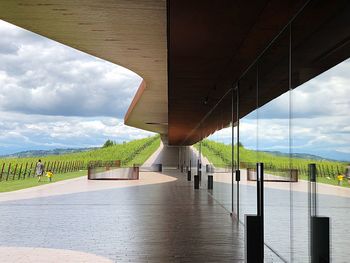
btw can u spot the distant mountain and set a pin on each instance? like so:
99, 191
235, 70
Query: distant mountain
299, 155
34, 153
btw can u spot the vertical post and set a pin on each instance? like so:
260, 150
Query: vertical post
25, 171
200, 162
232, 154
260, 205
254, 224
8, 171
238, 172
2, 170
48, 166
20, 171
14, 173
30, 170
319, 226
312, 190
54, 167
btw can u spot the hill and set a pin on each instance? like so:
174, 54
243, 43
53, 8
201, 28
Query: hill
221, 154
137, 151
41, 153
299, 155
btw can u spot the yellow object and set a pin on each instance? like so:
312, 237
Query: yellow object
49, 174
340, 177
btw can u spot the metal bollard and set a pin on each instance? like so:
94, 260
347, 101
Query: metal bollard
210, 182
196, 182
189, 175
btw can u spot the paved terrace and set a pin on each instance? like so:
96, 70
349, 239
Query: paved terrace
159, 218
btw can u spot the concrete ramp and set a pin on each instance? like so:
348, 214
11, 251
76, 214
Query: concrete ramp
168, 156
175, 156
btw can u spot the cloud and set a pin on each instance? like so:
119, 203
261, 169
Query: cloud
325, 95
40, 76
54, 96
47, 132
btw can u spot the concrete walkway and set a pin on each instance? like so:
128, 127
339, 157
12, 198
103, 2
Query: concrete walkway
45, 255
158, 222
81, 184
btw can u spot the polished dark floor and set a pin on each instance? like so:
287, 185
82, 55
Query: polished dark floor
169, 222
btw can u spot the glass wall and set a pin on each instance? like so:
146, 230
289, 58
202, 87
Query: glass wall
273, 144
217, 149
320, 132
285, 114
247, 143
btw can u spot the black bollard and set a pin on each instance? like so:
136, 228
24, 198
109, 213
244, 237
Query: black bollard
196, 182
210, 182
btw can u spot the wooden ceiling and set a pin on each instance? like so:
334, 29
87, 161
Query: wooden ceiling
130, 33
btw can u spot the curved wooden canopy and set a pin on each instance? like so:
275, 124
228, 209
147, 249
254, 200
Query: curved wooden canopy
130, 33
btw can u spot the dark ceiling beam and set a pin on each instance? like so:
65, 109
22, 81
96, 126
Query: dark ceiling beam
212, 45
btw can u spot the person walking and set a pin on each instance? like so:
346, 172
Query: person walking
39, 170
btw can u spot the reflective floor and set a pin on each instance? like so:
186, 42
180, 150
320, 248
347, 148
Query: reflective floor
165, 222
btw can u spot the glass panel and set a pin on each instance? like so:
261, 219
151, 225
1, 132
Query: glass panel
247, 143
274, 144
321, 136
218, 149
320, 124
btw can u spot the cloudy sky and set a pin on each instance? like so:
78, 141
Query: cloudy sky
53, 96
320, 123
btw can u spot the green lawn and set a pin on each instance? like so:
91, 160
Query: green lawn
220, 155
331, 181
12, 185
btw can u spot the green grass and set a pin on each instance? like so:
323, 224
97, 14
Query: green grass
136, 151
220, 155
13, 185
146, 153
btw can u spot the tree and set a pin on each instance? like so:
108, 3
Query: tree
240, 145
108, 143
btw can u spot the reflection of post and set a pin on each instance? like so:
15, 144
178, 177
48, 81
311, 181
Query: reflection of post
319, 226
199, 168
232, 154
312, 190
254, 224
238, 173
200, 152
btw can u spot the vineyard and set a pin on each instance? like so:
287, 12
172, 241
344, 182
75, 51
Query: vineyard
137, 151
220, 155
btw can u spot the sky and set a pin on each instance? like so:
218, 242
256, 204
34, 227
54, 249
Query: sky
54, 96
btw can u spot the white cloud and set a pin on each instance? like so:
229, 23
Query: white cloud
55, 96
44, 77
42, 132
